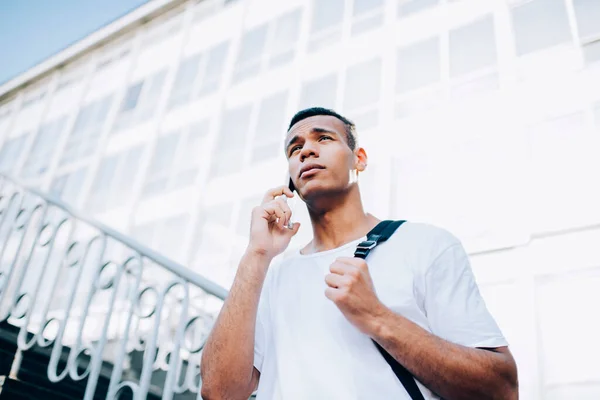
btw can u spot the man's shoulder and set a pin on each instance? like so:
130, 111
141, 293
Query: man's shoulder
426, 234
421, 242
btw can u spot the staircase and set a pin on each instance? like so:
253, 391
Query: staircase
88, 313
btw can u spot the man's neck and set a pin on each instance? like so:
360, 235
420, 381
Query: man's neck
344, 222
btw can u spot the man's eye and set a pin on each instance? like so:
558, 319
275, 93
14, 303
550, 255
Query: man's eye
325, 137
293, 149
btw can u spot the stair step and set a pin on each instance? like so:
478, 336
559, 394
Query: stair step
16, 389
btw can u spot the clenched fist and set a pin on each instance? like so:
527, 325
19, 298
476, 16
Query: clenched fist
350, 287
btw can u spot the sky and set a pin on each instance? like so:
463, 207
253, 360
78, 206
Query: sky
33, 30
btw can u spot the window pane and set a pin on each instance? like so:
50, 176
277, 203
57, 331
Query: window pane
364, 6
270, 129
363, 84
287, 28
102, 183
132, 96
327, 14
418, 65
271, 117
366, 24
591, 52
588, 17
43, 148
539, 24
164, 155
184, 81
251, 50
231, 141
195, 140
69, 186
151, 96
234, 128
86, 132
125, 180
407, 7
319, 93
472, 47
214, 69
10, 153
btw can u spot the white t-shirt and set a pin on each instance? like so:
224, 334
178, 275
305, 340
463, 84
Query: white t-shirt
306, 349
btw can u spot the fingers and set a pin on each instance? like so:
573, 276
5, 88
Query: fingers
348, 265
335, 280
275, 212
278, 191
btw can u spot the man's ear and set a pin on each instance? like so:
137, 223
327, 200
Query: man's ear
361, 159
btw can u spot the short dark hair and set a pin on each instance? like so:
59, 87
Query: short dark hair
314, 111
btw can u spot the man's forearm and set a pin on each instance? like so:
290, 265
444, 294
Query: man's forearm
450, 370
228, 356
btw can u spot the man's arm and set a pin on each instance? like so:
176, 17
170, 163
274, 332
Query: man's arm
227, 366
227, 358
450, 370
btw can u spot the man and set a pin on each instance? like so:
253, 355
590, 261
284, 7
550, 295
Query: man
302, 329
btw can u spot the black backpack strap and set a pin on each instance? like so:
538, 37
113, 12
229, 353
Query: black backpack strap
382, 232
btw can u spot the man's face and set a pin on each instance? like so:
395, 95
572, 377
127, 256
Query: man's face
319, 159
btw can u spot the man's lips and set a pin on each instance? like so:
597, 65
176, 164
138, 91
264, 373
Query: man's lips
310, 167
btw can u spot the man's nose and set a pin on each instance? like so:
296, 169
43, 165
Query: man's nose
309, 150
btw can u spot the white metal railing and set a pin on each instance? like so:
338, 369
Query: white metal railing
77, 287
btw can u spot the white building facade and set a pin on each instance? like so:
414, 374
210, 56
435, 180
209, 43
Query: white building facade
481, 116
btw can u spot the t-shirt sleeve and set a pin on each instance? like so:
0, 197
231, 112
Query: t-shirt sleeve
455, 308
262, 325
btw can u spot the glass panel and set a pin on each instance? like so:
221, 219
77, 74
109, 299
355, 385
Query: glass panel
164, 155
251, 50
10, 153
472, 47
363, 84
132, 96
270, 128
418, 65
234, 128
87, 130
407, 7
43, 148
327, 14
588, 17
151, 96
539, 24
69, 186
591, 52
320, 92
102, 183
271, 117
214, 69
287, 28
364, 6
366, 24
184, 81
129, 168
196, 136
231, 141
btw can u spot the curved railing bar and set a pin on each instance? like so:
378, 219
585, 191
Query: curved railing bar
178, 269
